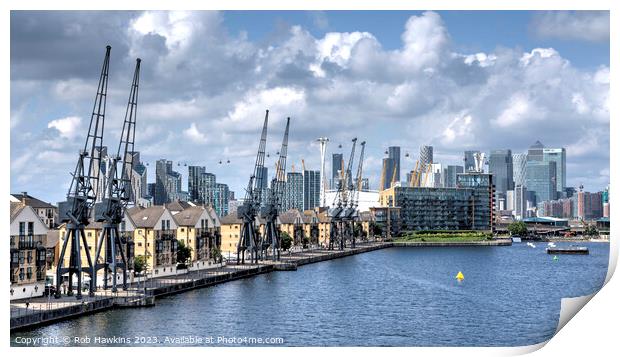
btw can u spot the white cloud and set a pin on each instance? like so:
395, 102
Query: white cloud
68, 127
195, 135
592, 26
201, 85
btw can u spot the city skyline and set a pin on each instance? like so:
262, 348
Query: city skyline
542, 90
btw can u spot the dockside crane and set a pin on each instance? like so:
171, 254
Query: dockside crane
248, 211
111, 208
76, 210
271, 209
355, 196
341, 201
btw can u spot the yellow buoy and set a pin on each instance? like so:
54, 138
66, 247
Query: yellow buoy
460, 276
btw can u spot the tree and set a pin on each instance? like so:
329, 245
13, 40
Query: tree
305, 242
183, 254
590, 230
216, 254
285, 241
139, 264
517, 228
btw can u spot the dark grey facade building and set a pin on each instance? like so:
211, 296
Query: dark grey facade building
312, 189
469, 206
500, 165
450, 173
337, 165
394, 154
294, 191
540, 178
388, 172
167, 182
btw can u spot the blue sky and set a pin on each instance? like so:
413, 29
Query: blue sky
457, 80
472, 31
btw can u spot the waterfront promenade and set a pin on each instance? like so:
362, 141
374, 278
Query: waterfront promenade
45, 310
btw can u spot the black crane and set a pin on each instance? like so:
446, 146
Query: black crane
270, 211
248, 211
345, 220
337, 235
350, 214
111, 208
75, 211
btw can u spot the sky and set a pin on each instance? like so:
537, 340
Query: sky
457, 80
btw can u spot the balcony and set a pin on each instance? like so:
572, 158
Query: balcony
168, 234
27, 241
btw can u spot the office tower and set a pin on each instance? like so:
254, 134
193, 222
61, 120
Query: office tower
311, 190
469, 160
519, 164
337, 166
540, 178
450, 173
394, 154
557, 155
387, 173
500, 166
535, 152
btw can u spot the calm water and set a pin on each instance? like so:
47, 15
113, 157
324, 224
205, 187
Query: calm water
391, 297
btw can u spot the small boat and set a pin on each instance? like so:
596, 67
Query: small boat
531, 245
516, 239
551, 245
568, 250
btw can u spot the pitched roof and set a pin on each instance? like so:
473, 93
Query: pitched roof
146, 217
16, 207
291, 216
230, 219
53, 235
189, 216
323, 217
309, 216
177, 205
32, 201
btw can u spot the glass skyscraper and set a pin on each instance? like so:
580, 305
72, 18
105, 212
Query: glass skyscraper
500, 165
519, 162
559, 157
540, 178
312, 186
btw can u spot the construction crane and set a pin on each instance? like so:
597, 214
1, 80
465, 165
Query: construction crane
111, 208
271, 209
82, 194
249, 209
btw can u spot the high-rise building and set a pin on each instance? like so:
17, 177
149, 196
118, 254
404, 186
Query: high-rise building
167, 182
388, 173
194, 179
450, 173
220, 202
263, 177
138, 179
294, 191
426, 155
540, 178
394, 154
558, 156
500, 166
536, 152
469, 160
312, 186
337, 166
519, 165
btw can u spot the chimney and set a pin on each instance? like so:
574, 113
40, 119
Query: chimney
24, 195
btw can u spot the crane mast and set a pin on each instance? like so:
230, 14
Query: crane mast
248, 211
82, 194
271, 209
111, 208
337, 235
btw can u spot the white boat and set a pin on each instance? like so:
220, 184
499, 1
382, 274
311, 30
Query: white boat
516, 239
